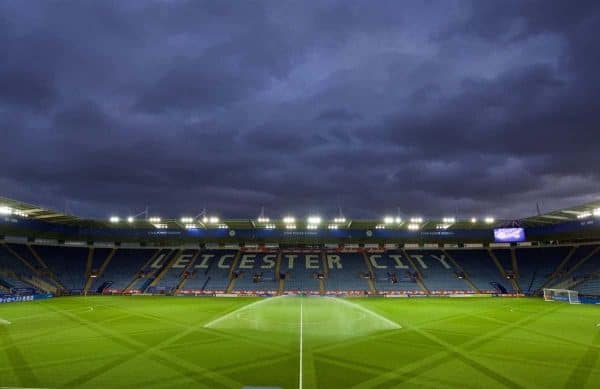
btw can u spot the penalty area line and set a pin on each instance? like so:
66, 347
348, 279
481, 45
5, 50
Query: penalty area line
232, 313
368, 311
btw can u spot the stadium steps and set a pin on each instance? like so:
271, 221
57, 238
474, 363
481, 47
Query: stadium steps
90, 280
55, 280
556, 274
466, 278
280, 281
232, 279
88, 264
419, 279
515, 268
501, 269
322, 288
187, 271
39, 284
370, 268
138, 274
578, 264
172, 257
34, 281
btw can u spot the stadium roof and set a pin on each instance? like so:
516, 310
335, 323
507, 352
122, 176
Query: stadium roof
43, 214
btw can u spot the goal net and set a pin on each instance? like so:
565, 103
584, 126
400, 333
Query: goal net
564, 295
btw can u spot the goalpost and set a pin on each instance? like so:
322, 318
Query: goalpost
565, 295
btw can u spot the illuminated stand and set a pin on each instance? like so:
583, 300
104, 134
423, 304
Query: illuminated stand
564, 295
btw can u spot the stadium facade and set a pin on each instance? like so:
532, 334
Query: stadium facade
47, 252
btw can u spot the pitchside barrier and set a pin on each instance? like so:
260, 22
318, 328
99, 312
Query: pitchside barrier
13, 298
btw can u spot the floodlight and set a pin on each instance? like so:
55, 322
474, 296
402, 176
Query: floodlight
4, 210
398, 220
312, 227
290, 226
449, 220
154, 219
380, 227
270, 226
339, 220
415, 220
223, 226
130, 219
187, 219
596, 212
413, 227
473, 220
190, 226
388, 220
262, 219
314, 220
289, 220
583, 215
489, 220
114, 219
332, 226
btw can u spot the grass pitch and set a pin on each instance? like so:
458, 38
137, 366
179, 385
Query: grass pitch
164, 342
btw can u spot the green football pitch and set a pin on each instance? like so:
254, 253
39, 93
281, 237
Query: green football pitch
293, 342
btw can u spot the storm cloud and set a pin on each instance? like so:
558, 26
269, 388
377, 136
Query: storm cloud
431, 108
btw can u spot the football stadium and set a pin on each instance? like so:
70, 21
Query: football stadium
296, 302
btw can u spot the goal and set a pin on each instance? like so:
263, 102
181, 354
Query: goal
564, 295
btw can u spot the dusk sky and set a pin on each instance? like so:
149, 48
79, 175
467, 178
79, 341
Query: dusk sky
434, 108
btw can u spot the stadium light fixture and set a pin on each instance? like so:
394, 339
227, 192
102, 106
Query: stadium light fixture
473, 220
413, 227
489, 220
398, 220
332, 226
210, 220
191, 226
4, 210
263, 219
388, 220
339, 220
584, 215
114, 219
290, 226
443, 226
130, 219
416, 220
270, 226
222, 226
160, 226
314, 220
187, 220
596, 212
154, 219
289, 220
312, 227
449, 220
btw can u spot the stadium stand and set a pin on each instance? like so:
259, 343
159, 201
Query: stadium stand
302, 271
346, 272
256, 272
211, 271
172, 270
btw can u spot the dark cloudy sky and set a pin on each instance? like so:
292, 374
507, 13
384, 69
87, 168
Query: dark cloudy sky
433, 107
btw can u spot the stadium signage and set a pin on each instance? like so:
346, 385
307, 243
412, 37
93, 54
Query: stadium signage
11, 298
249, 261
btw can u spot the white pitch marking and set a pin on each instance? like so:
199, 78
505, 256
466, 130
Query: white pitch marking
237, 311
366, 310
301, 346
2, 321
